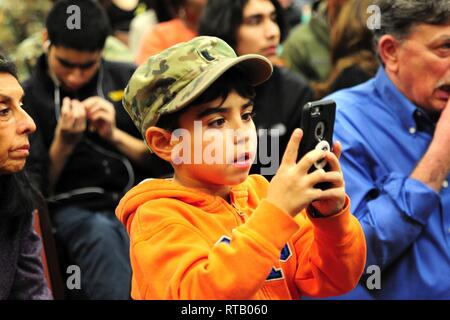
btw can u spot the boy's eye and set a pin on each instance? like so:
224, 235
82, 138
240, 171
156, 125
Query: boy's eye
248, 116
216, 123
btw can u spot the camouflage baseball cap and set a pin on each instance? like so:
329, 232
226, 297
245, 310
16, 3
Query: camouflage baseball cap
169, 81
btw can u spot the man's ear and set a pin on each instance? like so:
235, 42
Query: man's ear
159, 140
388, 49
45, 41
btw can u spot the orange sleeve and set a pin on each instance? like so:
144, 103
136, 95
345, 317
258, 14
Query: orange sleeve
175, 261
331, 253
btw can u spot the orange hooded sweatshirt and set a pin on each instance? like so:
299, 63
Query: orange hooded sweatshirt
186, 244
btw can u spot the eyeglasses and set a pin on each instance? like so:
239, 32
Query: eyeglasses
70, 65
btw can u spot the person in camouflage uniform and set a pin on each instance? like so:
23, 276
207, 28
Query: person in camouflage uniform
19, 20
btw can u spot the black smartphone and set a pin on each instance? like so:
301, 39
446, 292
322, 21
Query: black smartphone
317, 124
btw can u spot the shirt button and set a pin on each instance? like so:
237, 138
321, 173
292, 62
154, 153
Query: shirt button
412, 130
445, 184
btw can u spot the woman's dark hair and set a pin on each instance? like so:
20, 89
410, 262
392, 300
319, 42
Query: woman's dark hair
234, 79
17, 195
94, 26
351, 45
7, 66
222, 18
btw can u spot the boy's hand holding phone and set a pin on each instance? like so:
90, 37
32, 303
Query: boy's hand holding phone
293, 188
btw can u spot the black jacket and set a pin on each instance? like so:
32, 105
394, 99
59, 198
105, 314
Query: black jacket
96, 175
278, 105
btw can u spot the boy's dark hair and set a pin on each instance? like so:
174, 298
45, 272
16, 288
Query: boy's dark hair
7, 66
234, 79
222, 18
94, 25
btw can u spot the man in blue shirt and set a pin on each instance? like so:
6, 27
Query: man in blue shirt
395, 133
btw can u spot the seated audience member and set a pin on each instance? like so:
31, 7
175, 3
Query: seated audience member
28, 52
164, 9
256, 27
19, 20
395, 133
292, 14
213, 232
166, 34
87, 151
307, 48
25, 55
22, 274
146, 17
353, 59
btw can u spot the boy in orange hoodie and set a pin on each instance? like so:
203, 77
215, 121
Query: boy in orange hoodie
212, 231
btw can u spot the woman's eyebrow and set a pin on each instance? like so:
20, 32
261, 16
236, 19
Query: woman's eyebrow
8, 99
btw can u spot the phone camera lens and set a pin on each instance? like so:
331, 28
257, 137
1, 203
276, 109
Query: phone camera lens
320, 131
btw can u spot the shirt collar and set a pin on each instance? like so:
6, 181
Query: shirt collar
412, 117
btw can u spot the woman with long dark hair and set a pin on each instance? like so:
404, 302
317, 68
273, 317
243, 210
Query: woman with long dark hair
22, 275
353, 58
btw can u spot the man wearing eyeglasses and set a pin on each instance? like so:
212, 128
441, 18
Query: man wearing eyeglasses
87, 152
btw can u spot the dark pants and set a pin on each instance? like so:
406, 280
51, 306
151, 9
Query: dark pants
98, 243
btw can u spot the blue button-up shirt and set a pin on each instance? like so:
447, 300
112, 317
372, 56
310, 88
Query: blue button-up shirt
406, 223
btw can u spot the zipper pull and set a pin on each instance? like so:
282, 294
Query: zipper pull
239, 212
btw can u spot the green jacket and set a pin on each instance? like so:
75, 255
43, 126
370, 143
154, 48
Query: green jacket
307, 48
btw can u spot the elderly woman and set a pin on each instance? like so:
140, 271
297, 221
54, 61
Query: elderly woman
21, 275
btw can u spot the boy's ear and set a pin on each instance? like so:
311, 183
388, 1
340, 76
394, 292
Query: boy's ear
158, 140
